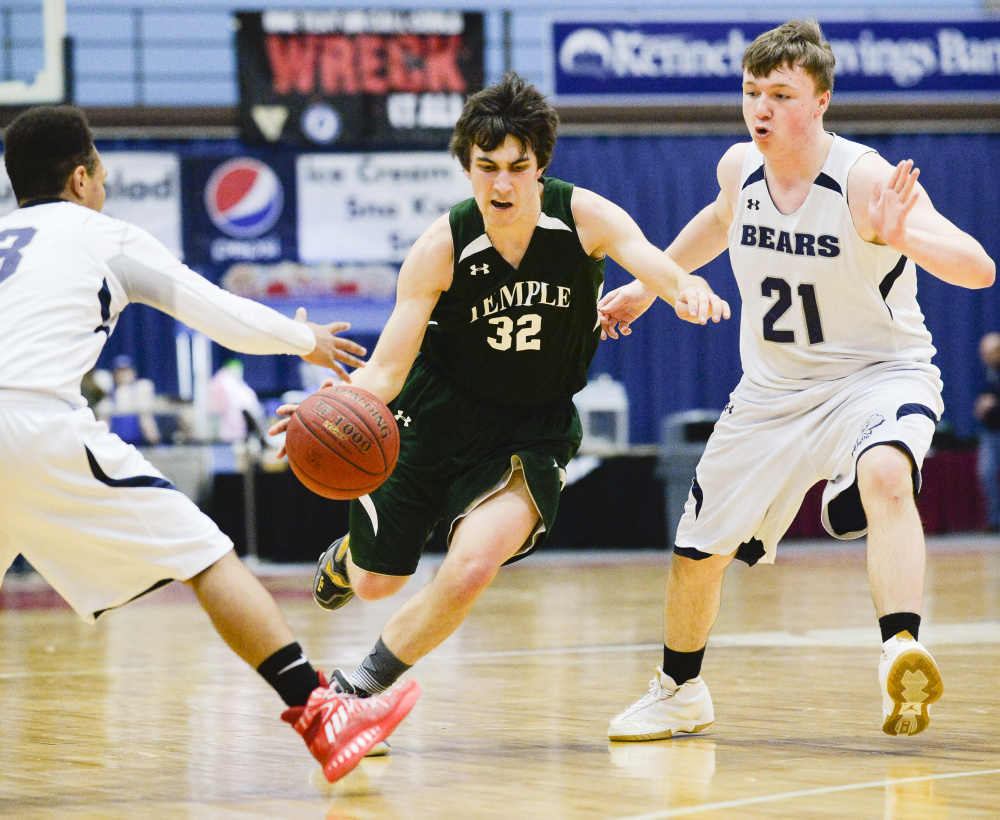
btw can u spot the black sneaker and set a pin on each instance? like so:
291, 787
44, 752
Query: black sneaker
332, 586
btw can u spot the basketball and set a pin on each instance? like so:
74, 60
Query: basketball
342, 442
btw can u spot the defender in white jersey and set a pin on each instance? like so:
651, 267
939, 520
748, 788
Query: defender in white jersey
823, 236
88, 511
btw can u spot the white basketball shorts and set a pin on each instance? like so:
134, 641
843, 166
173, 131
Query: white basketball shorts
88, 512
768, 448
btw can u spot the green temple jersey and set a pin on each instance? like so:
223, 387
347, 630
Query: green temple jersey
523, 336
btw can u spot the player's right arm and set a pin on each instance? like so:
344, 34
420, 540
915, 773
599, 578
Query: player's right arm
426, 273
698, 243
149, 274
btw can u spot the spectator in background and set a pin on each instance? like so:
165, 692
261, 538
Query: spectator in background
234, 403
987, 412
132, 400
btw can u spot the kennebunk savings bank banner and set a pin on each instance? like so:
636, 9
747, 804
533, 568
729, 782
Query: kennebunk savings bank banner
357, 79
665, 62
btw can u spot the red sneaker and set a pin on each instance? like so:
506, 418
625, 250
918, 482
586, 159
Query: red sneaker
339, 729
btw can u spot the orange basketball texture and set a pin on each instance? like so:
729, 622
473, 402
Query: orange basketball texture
342, 442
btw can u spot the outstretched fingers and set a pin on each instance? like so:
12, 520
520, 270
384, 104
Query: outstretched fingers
616, 314
611, 327
892, 201
697, 306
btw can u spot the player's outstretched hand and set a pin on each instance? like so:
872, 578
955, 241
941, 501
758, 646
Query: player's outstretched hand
622, 306
286, 410
892, 202
331, 350
698, 305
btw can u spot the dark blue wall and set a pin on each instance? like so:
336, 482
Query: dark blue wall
665, 364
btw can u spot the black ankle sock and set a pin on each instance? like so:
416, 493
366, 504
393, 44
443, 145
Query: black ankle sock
682, 666
380, 670
897, 622
290, 674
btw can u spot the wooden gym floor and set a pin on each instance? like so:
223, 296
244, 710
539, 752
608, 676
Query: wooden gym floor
148, 714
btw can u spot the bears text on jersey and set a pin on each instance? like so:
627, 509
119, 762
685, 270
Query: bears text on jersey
797, 244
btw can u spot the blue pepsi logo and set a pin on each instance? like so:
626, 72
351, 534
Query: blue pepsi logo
244, 197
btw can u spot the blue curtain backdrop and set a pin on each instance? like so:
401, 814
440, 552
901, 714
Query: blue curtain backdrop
667, 365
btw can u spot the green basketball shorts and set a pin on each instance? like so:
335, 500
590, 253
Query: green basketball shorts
456, 450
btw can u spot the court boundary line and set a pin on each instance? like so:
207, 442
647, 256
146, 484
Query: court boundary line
774, 798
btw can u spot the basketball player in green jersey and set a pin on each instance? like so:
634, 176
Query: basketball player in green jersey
494, 328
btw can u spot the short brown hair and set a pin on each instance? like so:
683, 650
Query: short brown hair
796, 43
512, 107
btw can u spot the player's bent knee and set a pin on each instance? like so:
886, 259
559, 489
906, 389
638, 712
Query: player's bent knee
370, 586
477, 575
885, 473
470, 573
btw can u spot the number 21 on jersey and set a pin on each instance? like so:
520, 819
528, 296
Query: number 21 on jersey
773, 286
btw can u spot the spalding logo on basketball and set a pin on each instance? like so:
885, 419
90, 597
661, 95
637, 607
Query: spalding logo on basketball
244, 198
342, 442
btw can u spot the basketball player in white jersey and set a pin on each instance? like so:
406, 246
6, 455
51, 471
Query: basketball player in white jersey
823, 235
88, 511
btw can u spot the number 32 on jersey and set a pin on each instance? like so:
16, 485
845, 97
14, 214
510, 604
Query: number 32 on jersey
524, 338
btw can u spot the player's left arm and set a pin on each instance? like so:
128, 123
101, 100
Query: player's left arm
889, 207
606, 229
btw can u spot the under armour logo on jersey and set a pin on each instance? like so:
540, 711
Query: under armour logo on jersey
403, 418
753, 204
728, 409
483, 269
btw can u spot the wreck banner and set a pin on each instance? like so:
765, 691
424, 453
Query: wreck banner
356, 79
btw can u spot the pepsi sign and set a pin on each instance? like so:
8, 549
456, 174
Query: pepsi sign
241, 209
244, 198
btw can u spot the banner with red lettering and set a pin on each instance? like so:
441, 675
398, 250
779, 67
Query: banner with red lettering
356, 79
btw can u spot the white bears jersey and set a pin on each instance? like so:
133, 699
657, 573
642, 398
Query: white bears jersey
819, 303
67, 272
